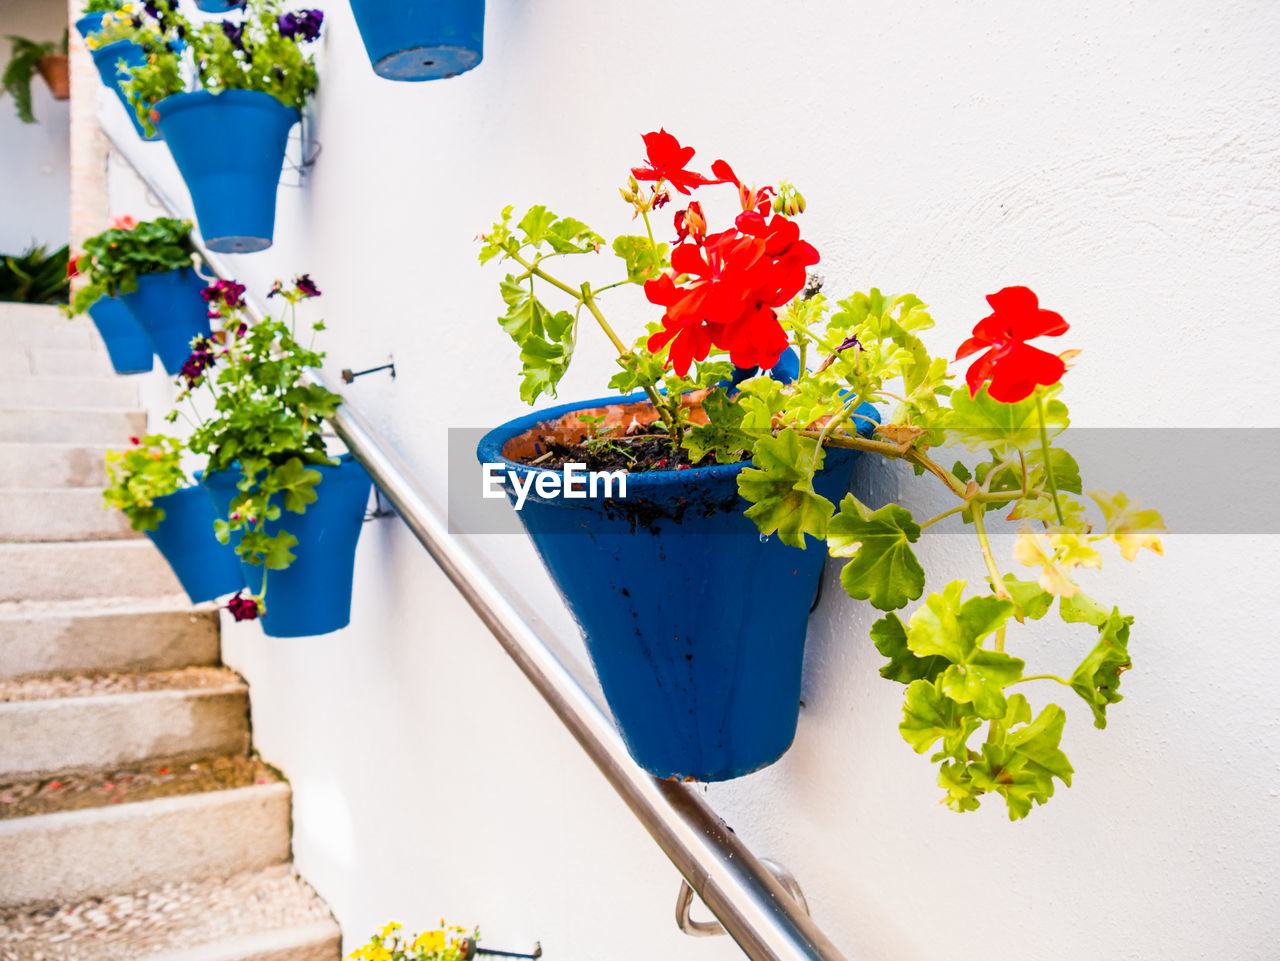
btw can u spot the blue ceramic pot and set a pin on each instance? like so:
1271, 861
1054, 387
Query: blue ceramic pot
695, 623
128, 345
90, 23
218, 6
168, 306
313, 594
205, 568
229, 148
421, 39
109, 61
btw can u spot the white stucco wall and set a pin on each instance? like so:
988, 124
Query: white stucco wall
34, 158
1122, 159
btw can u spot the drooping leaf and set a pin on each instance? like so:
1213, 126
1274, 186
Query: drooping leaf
1081, 608
644, 259
890, 638
295, 482
882, 567
984, 423
1097, 679
929, 715
1029, 598
1023, 767
780, 488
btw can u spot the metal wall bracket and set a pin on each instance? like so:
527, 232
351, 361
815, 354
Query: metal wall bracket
710, 929
348, 375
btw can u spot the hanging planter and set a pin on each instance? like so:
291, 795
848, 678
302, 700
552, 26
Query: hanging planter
421, 39
229, 148
218, 6
89, 24
114, 61
205, 568
169, 307
127, 343
55, 69
313, 594
695, 624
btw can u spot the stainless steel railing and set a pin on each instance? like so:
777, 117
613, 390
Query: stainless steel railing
754, 907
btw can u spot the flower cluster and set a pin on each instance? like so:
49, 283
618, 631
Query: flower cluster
446, 943
244, 608
223, 293
303, 288
201, 359
301, 25
1013, 368
724, 289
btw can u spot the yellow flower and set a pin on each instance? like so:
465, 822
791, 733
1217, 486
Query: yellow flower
390, 928
429, 941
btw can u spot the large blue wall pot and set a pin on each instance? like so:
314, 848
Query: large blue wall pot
313, 594
205, 568
695, 624
168, 306
229, 148
128, 345
88, 24
108, 60
421, 39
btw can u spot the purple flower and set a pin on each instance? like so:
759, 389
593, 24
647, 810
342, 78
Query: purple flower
224, 292
243, 608
303, 25
276, 288
234, 32
848, 342
306, 286
201, 359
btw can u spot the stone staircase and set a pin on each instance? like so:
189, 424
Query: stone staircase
135, 823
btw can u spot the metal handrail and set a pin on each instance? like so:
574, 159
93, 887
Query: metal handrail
754, 907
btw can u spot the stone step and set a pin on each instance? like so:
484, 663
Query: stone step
111, 392
77, 570
55, 362
44, 325
87, 637
34, 425
66, 856
66, 514
93, 723
267, 915
52, 465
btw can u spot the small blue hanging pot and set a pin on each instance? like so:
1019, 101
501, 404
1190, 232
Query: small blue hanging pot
421, 39
229, 148
127, 343
312, 595
218, 6
694, 622
170, 308
110, 61
205, 568
89, 24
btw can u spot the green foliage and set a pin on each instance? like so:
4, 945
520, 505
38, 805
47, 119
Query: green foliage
262, 60
546, 339
24, 61
114, 259
132, 22
35, 277
780, 488
882, 567
149, 470
722, 437
266, 425
1097, 679
983, 423
101, 6
890, 638
644, 259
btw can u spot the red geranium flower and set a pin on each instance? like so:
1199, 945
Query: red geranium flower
1013, 368
124, 222
666, 161
243, 608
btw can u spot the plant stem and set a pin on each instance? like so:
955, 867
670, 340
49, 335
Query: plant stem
1043, 677
1048, 464
993, 572
933, 520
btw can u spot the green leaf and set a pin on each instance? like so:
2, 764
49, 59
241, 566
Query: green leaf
723, 435
1029, 598
882, 567
890, 638
535, 224
780, 488
1097, 679
929, 715
275, 551
981, 680
1023, 767
644, 260
1080, 608
295, 482
546, 340
984, 423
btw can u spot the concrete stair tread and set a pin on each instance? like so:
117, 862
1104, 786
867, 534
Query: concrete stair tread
93, 606
252, 915
65, 425
49, 465
60, 514
69, 570
72, 855
43, 391
117, 683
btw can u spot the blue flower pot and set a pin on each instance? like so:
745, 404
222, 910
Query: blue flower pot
229, 148
218, 6
128, 345
109, 60
695, 624
313, 594
170, 308
421, 39
90, 23
205, 568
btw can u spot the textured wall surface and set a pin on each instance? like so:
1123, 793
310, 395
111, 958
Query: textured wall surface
34, 158
1122, 159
